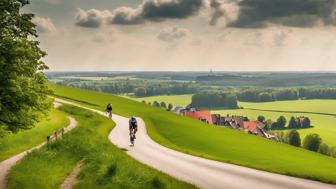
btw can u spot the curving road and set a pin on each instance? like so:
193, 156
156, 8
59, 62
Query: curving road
7, 164
201, 172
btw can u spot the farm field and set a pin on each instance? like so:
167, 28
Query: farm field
13, 144
212, 142
176, 100
105, 166
323, 124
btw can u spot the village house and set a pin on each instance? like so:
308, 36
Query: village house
204, 116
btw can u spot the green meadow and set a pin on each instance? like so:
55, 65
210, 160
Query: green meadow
105, 166
222, 144
13, 144
176, 100
319, 111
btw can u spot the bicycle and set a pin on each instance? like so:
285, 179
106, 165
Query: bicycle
132, 137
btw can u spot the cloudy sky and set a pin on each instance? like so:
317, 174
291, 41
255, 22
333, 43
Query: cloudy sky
187, 35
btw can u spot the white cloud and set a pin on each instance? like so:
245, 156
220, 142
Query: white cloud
44, 25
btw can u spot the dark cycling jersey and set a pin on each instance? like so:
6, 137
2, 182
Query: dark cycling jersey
109, 107
133, 124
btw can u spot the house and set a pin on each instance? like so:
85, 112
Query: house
204, 116
179, 110
254, 127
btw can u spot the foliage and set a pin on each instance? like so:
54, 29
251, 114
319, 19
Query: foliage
163, 105
13, 144
312, 142
170, 107
280, 123
294, 138
23, 91
214, 100
261, 118
324, 149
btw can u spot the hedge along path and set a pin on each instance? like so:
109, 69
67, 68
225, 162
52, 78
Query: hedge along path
6, 165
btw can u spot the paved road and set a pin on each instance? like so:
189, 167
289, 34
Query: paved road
201, 172
6, 165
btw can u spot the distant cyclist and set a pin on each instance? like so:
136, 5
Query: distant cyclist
109, 110
133, 128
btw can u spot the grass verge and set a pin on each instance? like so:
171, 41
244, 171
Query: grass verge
13, 144
105, 166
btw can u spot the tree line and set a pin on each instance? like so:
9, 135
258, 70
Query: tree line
214, 100
281, 123
140, 88
252, 95
312, 142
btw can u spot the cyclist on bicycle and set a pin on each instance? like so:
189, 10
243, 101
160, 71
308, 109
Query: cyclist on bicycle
133, 125
109, 110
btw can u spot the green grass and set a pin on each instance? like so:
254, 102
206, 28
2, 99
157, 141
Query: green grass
176, 100
212, 142
320, 112
105, 166
13, 144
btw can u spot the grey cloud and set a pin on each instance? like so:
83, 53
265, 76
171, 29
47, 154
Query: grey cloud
148, 10
156, 10
172, 34
296, 13
91, 18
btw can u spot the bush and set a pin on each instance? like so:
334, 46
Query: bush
261, 118
170, 107
294, 138
324, 149
312, 142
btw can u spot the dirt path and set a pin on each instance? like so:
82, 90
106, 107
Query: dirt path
201, 172
6, 165
71, 180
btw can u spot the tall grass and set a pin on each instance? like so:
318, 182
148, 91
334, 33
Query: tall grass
13, 144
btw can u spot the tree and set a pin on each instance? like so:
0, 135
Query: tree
163, 105
324, 149
156, 104
140, 92
292, 123
268, 124
281, 122
306, 122
24, 89
170, 107
312, 142
294, 138
261, 118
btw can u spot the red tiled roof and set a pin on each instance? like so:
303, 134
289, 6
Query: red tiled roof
252, 125
200, 115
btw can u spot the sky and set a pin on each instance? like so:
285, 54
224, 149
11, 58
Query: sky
187, 35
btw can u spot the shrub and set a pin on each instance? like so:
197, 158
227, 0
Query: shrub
294, 138
312, 142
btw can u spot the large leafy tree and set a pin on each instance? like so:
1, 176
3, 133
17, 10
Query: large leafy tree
23, 86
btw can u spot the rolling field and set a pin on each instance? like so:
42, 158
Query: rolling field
319, 111
176, 100
211, 142
105, 166
13, 144
324, 125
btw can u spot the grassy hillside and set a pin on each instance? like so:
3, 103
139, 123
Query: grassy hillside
222, 144
13, 144
176, 100
105, 166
